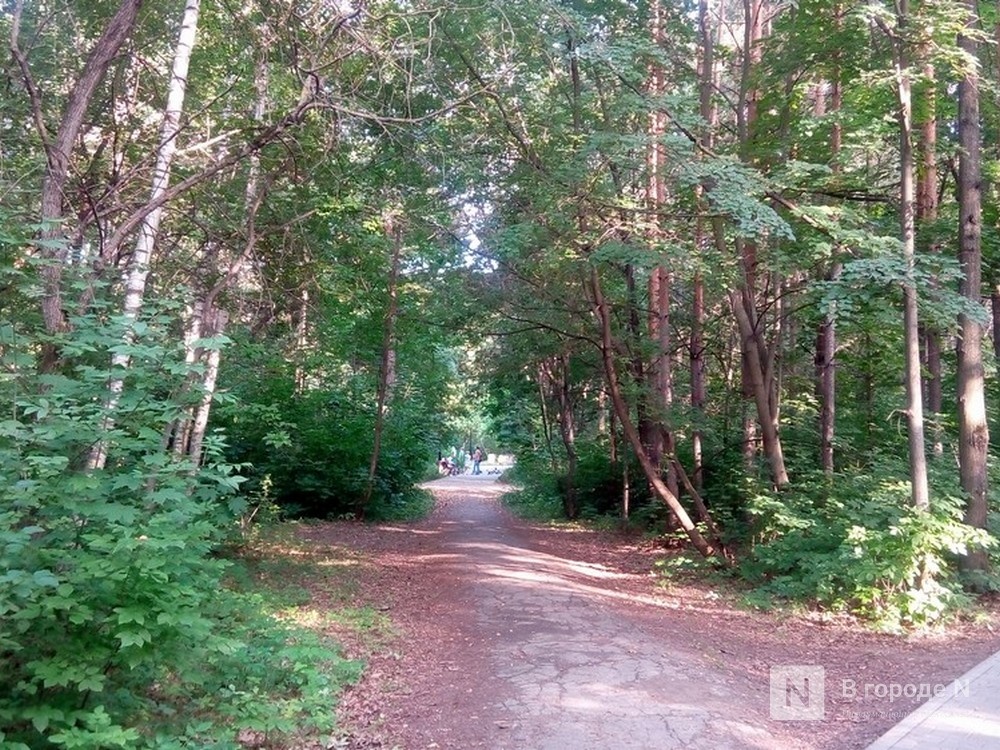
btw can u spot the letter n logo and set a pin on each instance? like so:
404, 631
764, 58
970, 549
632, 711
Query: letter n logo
797, 693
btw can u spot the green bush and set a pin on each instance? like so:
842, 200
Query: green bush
314, 447
854, 543
115, 630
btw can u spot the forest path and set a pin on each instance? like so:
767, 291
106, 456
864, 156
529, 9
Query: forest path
523, 637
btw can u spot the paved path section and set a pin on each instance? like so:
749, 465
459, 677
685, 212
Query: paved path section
571, 669
965, 716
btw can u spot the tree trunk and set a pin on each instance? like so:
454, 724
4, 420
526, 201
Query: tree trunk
543, 405
826, 338
708, 112
215, 325
190, 432
995, 307
920, 495
559, 378
974, 438
138, 266
826, 375
926, 213
631, 434
387, 371
52, 247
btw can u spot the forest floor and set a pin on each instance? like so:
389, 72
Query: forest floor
503, 634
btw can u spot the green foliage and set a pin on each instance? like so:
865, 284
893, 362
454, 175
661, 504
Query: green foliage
598, 484
114, 630
313, 448
853, 543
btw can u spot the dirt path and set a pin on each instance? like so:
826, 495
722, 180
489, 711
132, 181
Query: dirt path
518, 637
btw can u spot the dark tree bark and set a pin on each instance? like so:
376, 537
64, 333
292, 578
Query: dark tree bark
920, 494
974, 438
387, 369
52, 246
650, 470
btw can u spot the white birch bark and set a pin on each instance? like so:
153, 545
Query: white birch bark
138, 267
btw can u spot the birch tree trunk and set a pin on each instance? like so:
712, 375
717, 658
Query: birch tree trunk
974, 437
138, 266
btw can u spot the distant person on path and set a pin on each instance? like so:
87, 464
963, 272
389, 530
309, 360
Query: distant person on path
477, 457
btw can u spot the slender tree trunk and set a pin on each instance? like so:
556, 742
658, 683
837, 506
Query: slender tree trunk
650, 470
559, 378
756, 356
387, 371
216, 322
708, 112
660, 277
190, 432
52, 245
974, 438
926, 213
138, 266
826, 338
760, 383
995, 308
648, 429
543, 405
920, 494
826, 375
302, 341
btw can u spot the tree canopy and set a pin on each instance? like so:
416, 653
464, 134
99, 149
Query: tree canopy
724, 270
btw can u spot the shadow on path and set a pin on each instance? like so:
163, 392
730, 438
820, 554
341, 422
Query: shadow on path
567, 663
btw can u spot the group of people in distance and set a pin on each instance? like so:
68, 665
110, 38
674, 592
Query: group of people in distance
457, 462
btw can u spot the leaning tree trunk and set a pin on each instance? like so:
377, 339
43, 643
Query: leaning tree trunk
650, 469
757, 357
138, 266
974, 438
51, 246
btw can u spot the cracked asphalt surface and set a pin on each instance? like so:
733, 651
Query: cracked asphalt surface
568, 666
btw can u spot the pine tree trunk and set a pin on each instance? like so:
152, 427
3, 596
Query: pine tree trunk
919, 491
974, 438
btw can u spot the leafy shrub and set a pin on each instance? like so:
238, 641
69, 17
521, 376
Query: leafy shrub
314, 447
856, 544
598, 483
114, 628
